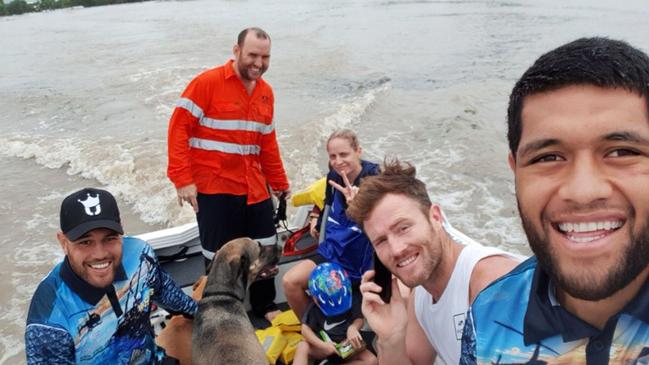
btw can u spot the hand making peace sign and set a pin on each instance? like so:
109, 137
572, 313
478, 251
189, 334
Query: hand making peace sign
349, 190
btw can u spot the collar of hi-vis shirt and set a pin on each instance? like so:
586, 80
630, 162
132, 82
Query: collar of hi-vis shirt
89, 293
546, 318
229, 73
229, 70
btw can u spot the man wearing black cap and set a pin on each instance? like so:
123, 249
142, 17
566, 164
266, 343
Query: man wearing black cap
94, 307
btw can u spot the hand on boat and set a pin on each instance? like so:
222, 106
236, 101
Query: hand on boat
188, 194
313, 227
387, 320
349, 190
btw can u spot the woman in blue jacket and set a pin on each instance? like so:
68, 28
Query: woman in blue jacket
344, 242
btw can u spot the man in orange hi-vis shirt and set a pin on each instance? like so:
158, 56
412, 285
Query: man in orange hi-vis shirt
223, 155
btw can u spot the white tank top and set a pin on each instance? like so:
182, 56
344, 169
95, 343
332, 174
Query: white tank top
443, 321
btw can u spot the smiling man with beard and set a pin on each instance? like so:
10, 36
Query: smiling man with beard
579, 139
445, 269
94, 307
223, 155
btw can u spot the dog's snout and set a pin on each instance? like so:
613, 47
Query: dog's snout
269, 258
275, 258
270, 254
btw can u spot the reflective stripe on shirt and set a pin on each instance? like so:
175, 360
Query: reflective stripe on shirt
191, 107
209, 145
236, 125
224, 124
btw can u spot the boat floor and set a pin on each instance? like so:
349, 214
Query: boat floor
185, 272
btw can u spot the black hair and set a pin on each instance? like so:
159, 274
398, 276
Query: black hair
597, 61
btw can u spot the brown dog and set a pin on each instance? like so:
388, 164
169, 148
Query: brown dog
222, 332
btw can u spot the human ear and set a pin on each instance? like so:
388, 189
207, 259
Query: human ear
435, 214
63, 241
512, 162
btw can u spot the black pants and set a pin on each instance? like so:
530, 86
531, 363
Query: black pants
224, 217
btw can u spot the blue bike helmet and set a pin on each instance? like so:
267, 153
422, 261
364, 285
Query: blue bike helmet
331, 289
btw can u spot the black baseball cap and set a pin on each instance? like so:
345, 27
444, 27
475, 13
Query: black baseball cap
88, 209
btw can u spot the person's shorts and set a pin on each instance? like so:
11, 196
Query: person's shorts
317, 258
224, 217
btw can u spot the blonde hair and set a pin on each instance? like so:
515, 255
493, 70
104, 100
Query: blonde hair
346, 134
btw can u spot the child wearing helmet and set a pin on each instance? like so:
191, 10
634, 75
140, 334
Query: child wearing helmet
335, 314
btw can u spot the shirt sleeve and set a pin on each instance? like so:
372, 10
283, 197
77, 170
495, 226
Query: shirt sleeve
271, 163
189, 109
167, 294
468, 349
310, 320
271, 160
48, 345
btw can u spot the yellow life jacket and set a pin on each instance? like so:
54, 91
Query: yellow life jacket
314, 194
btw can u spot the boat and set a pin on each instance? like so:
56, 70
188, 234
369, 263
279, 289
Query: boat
179, 252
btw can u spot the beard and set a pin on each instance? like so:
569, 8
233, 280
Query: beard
245, 74
93, 279
594, 283
431, 256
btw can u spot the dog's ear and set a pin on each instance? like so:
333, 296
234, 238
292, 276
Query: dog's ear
209, 266
234, 263
244, 268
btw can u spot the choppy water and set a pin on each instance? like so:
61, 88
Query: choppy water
85, 97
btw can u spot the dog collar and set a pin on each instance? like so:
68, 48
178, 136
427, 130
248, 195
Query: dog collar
222, 293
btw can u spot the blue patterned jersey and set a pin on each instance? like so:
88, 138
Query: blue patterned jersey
517, 320
72, 322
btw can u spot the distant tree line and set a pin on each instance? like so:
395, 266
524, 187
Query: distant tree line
16, 7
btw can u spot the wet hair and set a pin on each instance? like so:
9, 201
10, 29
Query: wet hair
600, 62
260, 33
346, 134
395, 178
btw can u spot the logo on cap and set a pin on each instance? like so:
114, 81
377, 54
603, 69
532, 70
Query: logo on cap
99, 211
90, 203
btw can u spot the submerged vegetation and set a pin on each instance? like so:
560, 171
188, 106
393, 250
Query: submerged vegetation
16, 7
